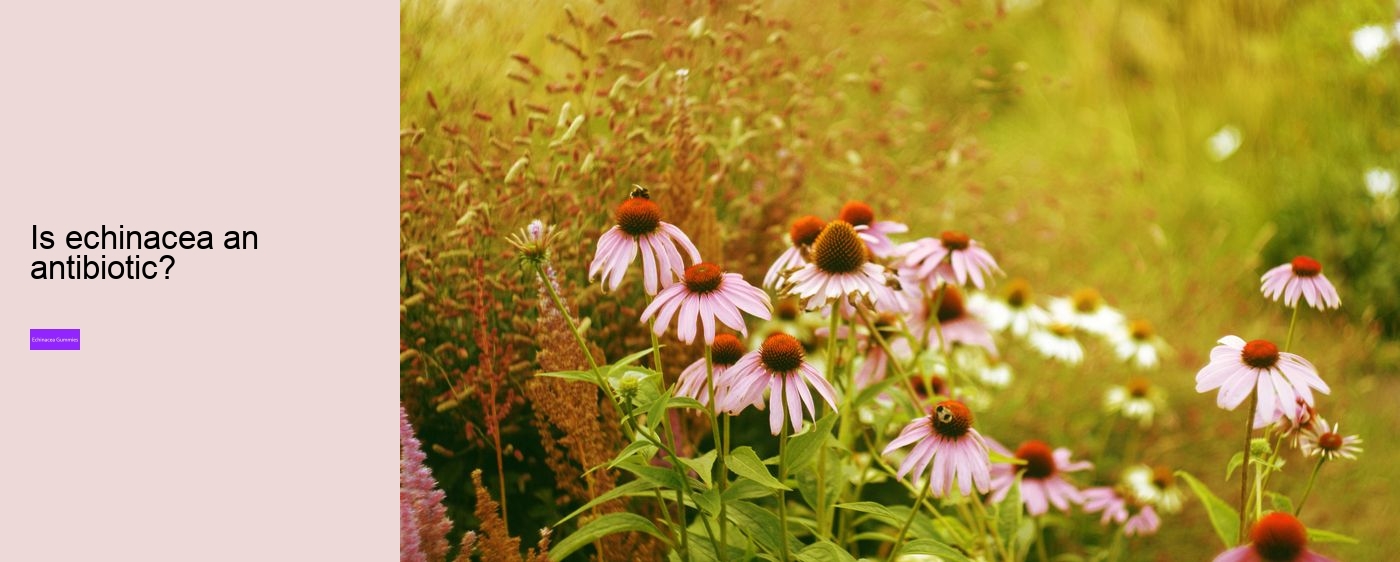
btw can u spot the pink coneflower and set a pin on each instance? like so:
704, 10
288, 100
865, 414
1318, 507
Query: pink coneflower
954, 258
876, 363
1326, 440
1116, 509
958, 326
1041, 482
724, 353
801, 235
1302, 276
706, 295
639, 227
1237, 368
840, 269
1288, 427
948, 443
1276, 537
778, 366
875, 234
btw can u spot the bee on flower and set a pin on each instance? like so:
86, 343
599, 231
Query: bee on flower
947, 447
639, 229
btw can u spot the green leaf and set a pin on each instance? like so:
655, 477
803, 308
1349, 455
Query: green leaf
704, 465
1003, 459
645, 448
870, 392
656, 408
1009, 515
1234, 465
685, 402
879, 511
601, 527
824, 551
1223, 517
930, 547
1321, 536
707, 501
745, 490
663, 477
744, 462
759, 523
1280, 502
620, 364
630, 488
802, 449
584, 376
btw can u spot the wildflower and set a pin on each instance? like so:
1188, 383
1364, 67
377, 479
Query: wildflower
1057, 342
639, 227
1136, 343
1137, 400
1041, 482
1300, 277
876, 363
778, 366
1238, 368
1015, 310
954, 258
533, 241
839, 269
801, 235
947, 442
876, 235
1290, 428
725, 352
1155, 486
955, 323
423, 521
1369, 41
1326, 440
1119, 509
1380, 183
705, 295
1086, 310
1276, 537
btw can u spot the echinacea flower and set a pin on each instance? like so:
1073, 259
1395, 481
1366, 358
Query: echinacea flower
875, 234
1327, 441
839, 269
777, 366
876, 362
946, 442
1300, 277
1015, 311
1042, 483
801, 235
1289, 428
1119, 509
724, 353
1155, 486
1137, 344
956, 325
1056, 341
1086, 310
1276, 537
1138, 400
953, 257
706, 295
639, 228
1238, 368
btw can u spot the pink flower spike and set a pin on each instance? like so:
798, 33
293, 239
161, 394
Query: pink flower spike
779, 367
1300, 277
706, 295
948, 448
1281, 379
639, 229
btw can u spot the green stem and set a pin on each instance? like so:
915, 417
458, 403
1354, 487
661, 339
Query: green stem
1306, 491
1244, 474
823, 526
782, 478
1040, 539
1115, 550
1288, 344
903, 530
722, 450
991, 530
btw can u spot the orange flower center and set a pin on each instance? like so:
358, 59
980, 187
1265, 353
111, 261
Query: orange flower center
951, 419
781, 353
804, 231
1304, 266
1139, 386
703, 277
857, 213
638, 216
1018, 293
1330, 442
1086, 300
837, 249
1040, 460
1141, 330
726, 350
954, 240
1278, 537
1162, 477
1260, 354
951, 306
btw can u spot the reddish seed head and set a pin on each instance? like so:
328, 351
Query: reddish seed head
1040, 460
951, 419
1163, 478
954, 240
1330, 442
950, 307
837, 249
1260, 354
781, 353
1018, 293
1139, 386
638, 216
857, 213
727, 350
804, 231
703, 277
1278, 537
1304, 266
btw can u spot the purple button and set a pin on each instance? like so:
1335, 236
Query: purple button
51, 339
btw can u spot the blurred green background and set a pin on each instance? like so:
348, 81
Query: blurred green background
1166, 153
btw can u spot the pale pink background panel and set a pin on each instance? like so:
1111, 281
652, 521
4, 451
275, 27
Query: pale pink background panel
245, 408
